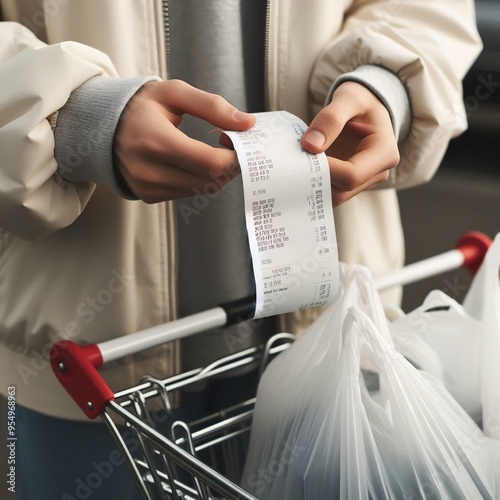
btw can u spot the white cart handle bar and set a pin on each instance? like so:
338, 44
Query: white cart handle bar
76, 367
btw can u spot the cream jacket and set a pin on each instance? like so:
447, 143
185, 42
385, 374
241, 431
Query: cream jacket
49, 286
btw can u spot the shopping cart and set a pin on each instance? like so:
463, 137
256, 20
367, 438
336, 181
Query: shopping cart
196, 460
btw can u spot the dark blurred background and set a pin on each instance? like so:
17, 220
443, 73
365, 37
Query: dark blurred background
465, 193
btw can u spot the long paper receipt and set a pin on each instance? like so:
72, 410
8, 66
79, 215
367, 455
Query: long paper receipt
289, 216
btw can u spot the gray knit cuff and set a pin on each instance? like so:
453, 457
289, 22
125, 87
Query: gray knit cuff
85, 129
389, 90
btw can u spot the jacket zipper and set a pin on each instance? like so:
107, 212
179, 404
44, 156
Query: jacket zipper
166, 29
170, 221
266, 56
271, 58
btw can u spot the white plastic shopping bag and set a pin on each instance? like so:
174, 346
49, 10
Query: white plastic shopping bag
285, 388
442, 339
318, 433
483, 303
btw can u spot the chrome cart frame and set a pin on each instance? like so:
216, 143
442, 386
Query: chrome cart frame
180, 461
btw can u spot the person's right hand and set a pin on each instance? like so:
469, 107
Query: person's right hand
158, 161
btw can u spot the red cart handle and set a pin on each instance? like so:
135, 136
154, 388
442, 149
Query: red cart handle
76, 369
469, 252
473, 246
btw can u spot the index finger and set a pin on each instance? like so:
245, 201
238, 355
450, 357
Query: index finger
180, 97
373, 157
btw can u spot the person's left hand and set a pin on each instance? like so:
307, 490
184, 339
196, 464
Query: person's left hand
355, 131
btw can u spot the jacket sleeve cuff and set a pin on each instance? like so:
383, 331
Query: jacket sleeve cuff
389, 90
85, 129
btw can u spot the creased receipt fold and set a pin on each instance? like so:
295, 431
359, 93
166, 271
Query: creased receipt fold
289, 216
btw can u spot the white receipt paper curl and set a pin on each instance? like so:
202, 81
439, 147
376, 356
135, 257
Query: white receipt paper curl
289, 216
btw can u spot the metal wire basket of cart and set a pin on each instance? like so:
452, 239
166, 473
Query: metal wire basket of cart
199, 459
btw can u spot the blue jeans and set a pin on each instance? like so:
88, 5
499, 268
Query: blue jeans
68, 460
59, 459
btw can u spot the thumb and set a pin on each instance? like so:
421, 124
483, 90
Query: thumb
323, 131
329, 123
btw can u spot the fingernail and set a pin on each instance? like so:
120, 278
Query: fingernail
315, 138
240, 116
